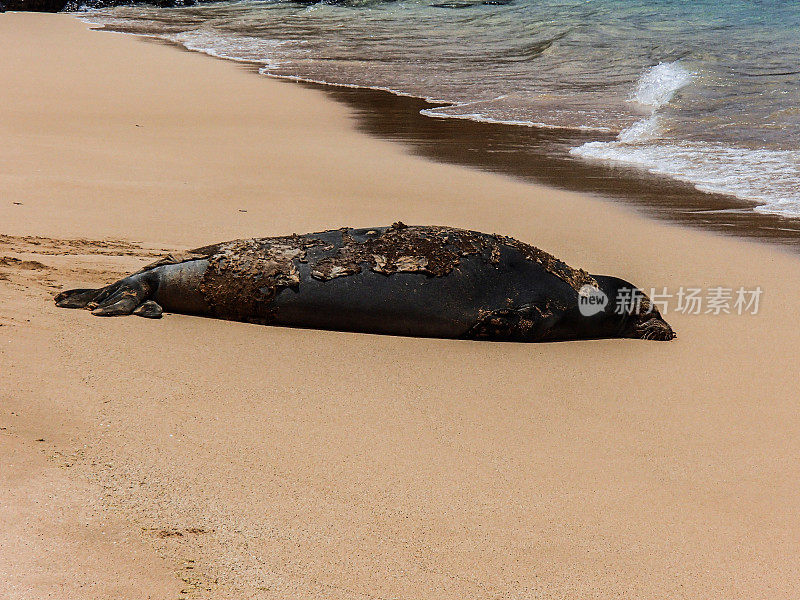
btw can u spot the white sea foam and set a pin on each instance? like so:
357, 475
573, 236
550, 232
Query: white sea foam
267, 72
658, 84
765, 177
655, 88
239, 48
441, 113
232, 47
641, 131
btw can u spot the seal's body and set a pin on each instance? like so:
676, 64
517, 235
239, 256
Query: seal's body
400, 280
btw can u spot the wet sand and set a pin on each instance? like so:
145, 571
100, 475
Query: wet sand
230, 460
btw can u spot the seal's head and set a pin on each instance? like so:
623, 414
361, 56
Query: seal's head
649, 325
632, 312
615, 308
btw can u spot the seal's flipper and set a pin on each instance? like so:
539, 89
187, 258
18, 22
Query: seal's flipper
76, 298
119, 305
150, 309
130, 293
104, 294
120, 298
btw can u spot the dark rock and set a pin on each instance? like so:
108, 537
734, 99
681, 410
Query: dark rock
35, 5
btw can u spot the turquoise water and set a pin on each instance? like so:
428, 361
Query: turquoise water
705, 92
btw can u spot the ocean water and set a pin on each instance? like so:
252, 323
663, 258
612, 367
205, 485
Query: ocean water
706, 92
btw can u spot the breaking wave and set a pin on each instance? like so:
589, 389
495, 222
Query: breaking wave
768, 178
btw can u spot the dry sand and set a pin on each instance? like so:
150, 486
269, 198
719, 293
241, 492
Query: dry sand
189, 457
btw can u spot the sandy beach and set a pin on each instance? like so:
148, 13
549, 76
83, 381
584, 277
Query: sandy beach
196, 458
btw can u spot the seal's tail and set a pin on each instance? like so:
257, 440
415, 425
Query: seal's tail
125, 297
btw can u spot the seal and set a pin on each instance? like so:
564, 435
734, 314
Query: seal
400, 280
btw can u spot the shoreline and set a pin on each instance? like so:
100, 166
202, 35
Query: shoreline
245, 461
528, 153
463, 142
